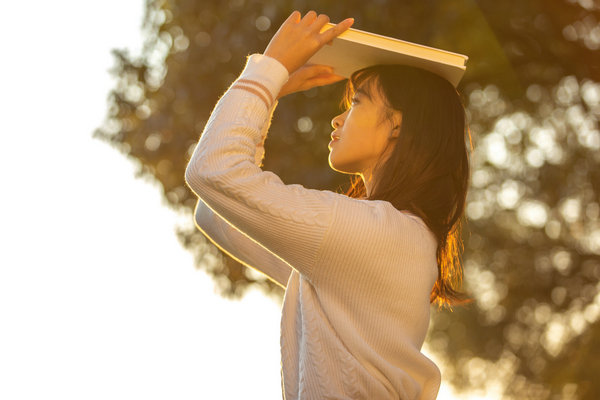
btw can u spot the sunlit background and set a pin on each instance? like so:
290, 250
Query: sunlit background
98, 300
99, 296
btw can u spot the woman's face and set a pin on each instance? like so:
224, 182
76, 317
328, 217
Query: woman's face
360, 135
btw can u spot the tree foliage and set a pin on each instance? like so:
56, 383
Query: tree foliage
532, 241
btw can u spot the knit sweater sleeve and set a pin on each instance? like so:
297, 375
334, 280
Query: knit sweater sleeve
290, 221
240, 247
234, 243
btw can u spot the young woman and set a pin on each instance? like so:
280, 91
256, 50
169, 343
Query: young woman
359, 270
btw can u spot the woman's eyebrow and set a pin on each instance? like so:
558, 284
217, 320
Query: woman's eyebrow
362, 92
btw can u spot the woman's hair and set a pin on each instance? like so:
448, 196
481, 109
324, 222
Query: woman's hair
428, 171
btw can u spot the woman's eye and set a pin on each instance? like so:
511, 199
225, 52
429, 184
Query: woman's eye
354, 100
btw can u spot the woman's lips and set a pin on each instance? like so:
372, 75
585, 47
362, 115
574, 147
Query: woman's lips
334, 138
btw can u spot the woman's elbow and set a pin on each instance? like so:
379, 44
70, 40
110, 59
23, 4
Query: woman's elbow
195, 179
190, 173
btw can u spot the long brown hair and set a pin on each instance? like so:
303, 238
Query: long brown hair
428, 170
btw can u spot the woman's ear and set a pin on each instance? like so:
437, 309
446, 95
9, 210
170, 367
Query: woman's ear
397, 127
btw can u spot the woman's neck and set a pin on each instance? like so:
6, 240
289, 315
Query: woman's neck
367, 178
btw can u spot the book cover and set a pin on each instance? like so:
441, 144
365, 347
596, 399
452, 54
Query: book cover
355, 49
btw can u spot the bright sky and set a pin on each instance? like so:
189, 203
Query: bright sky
98, 300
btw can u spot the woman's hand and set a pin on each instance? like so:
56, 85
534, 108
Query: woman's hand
297, 40
307, 77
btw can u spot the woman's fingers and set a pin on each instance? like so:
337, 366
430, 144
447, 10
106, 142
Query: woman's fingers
310, 71
309, 18
318, 75
334, 32
320, 22
307, 77
317, 22
299, 38
294, 17
321, 80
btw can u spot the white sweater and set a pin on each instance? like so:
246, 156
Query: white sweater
357, 273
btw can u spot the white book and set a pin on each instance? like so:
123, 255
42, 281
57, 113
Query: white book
355, 49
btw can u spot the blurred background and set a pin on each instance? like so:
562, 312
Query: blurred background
108, 290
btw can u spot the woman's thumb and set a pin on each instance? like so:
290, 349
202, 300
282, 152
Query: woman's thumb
325, 69
317, 69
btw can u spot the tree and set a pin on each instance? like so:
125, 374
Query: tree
532, 241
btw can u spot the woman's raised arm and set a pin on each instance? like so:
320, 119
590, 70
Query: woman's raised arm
237, 245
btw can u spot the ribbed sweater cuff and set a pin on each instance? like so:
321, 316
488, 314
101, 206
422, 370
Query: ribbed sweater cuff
264, 76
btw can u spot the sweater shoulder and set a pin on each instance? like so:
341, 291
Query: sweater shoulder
399, 221
376, 230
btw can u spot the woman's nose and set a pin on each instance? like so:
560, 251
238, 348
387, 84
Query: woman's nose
336, 121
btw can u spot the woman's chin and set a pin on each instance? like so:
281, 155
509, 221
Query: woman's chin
339, 167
